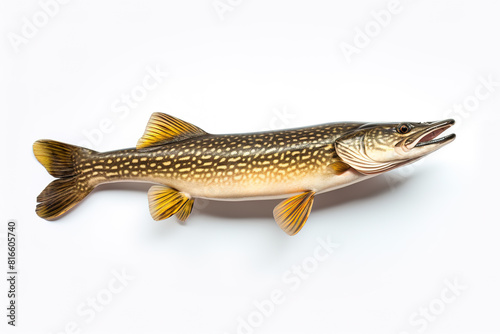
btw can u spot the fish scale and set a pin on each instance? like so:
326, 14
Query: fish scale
226, 161
186, 162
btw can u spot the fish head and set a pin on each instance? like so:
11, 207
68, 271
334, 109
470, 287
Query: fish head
375, 148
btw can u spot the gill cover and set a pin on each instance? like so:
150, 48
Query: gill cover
351, 148
374, 148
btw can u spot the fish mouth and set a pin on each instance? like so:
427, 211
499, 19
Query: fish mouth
429, 136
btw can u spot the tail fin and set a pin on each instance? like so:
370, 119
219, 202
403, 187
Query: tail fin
62, 194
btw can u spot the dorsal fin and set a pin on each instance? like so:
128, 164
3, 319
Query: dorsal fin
163, 128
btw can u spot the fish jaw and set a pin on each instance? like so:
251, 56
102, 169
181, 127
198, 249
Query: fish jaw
426, 140
377, 148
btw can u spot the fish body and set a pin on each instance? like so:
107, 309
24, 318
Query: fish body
231, 167
186, 162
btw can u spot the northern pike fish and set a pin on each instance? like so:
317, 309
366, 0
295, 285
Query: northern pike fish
185, 162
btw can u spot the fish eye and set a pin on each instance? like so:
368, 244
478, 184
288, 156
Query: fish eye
403, 129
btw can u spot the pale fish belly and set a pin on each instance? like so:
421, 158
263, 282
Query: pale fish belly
232, 190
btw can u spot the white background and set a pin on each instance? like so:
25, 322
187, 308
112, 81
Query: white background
260, 65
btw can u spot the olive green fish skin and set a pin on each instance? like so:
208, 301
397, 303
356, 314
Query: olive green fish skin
185, 163
226, 166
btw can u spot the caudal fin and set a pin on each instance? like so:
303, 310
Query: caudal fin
61, 161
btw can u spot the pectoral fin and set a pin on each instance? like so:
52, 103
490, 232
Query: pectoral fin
339, 167
292, 213
165, 201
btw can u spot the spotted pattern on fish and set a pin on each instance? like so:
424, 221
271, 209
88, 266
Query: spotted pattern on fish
221, 159
185, 163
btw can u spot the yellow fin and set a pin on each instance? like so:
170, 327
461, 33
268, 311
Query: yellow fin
165, 201
163, 128
64, 193
339, 167
292, 213
60, 196
58, 158
185, 210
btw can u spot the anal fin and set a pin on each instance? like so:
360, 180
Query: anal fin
292, 213
165, 201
